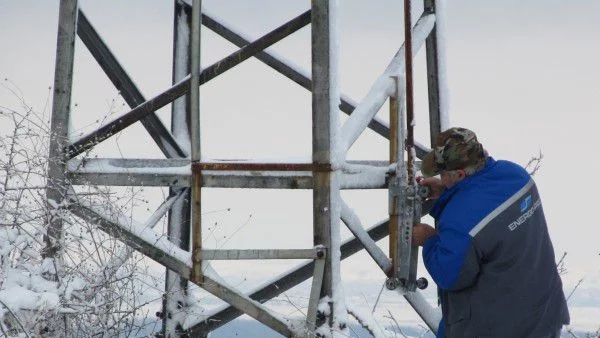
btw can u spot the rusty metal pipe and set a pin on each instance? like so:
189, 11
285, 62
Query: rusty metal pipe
196, 272
410, 142
250, 166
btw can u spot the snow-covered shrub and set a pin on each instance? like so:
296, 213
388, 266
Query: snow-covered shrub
100, 287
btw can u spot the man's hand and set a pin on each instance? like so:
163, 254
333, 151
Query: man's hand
436, 187
421, 233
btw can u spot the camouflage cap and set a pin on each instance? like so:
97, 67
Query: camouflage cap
455, 148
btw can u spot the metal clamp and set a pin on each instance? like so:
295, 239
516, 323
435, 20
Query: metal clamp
396, 188
392, 283
423, 191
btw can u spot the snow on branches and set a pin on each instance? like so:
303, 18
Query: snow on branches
98, 286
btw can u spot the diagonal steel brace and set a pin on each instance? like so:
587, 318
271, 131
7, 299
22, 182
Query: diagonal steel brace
161, 250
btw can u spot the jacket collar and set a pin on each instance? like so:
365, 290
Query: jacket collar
441, 202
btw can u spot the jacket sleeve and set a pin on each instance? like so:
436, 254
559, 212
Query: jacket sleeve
450, 258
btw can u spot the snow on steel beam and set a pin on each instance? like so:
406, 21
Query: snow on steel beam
180, 109
168, 254
353, 223
436, 71
223, 315
125, 252
367, 175
272, 289
128, 90
325, 150
182, 87
177, 173
176, 295
357, 176
430, 315
284, 67
130, 172
162, 210
383, 86
295, 74
254, 166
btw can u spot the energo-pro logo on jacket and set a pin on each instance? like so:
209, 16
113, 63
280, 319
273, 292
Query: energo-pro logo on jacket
527, 210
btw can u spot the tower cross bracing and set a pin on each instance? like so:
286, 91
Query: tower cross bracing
185, 173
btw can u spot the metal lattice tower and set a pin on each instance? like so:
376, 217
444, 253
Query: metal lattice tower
185, 174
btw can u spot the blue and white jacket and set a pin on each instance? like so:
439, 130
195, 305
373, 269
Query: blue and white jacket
492, 258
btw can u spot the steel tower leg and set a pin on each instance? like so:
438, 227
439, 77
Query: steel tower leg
325, 117
59, 137
175, 301
435, 77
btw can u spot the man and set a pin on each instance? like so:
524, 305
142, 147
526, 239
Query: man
490, 254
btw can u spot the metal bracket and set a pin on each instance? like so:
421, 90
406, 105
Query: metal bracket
396, 193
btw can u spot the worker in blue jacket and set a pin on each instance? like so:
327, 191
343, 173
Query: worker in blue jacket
490, 253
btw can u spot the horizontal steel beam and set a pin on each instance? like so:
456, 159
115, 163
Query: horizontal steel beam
127, 89
257, 180
296, 276
177, 173
248, 166
148, 107
172, 257
284, 283
361, 176
129, 172
210, 179
212, 255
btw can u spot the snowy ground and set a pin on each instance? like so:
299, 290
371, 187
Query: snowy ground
252, 329
362, 294
362, 288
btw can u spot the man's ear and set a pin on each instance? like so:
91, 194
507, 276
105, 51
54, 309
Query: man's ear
461, 173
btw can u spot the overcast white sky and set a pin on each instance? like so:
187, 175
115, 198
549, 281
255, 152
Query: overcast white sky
522, 74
